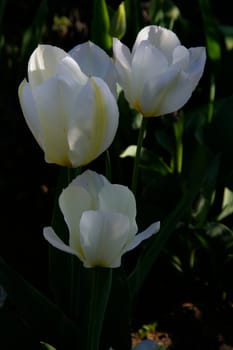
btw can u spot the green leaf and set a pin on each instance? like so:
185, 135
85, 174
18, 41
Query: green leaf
219, 138
213, 35
64, 269
118, 22
227, 205
227, 32
96, 286
206, 194
155, 244
40, 315
47, 346
32, 35
100, 25
133, 24
116, 330
2, 10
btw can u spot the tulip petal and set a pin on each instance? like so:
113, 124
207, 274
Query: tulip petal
56, 242
145, 56
43, 62
103, 236
197, 64
73, 202
181, 57
95, 62
155, 91
151, 230
91, 182
177, 95
97, 121
162, 38
29, 110
120, 199
91, 58
70, 71
122, 59
53, 120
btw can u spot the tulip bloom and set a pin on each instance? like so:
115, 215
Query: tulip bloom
160, 74
73, 117
94, 61
101, 221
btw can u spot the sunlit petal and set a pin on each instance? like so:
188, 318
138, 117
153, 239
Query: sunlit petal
162, 38
160, 74
43, 63
95, 62
73, 212
103, 236
56, 242
118, 198
151, 230
30, 112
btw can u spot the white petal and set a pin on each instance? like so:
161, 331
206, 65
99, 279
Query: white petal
148, 62
155, 91
162, 38
56, 242
43, 63
53, 117
176, 95
91, 58
91, 182
29, 110
197, 64
103, 236
119, 199
105, 104
70, 71
73, 202
151, 230
97, 122
181, 57
95, 62
122, 59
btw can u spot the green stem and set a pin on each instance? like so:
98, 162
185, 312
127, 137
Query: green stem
108, 170
73, 269
211, 98
178, 132
138, 153
63, 269
99, 281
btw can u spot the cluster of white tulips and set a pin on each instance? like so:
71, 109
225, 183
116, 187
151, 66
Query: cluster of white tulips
70, 105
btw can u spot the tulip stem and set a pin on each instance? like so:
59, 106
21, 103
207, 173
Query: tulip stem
178, 132
108, 171
74, 273
138, 154
99, 281
211, 98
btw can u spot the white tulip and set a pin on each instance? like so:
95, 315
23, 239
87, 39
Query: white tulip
159, 75
94, 61
73, 117
101, 221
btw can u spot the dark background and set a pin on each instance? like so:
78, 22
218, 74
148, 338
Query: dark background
27, 183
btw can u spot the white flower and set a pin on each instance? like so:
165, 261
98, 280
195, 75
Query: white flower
73, 117
94, 61
101, 221
160, 74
